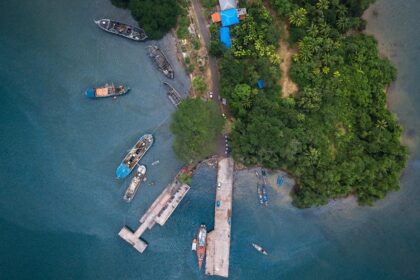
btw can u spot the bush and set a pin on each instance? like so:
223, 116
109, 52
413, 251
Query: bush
199, 85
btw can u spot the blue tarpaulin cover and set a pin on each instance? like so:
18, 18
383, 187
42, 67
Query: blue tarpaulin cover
225, 37
122, 171
229, 17
260, 83
90, 92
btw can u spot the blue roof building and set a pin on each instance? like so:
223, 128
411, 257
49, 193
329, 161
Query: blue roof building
225, 37
229, 17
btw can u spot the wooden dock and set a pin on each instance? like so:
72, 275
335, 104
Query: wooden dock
218, 240
159, 212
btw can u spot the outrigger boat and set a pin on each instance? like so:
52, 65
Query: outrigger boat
161, 61
139, 177
107, 91
259, 249
134, 156
122, 29
173, 94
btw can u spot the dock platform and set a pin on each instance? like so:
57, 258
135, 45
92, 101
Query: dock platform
159, 212
218, 240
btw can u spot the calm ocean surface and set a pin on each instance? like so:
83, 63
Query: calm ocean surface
61, 206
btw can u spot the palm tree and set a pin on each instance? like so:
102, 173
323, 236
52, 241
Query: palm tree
298, 17
323, 5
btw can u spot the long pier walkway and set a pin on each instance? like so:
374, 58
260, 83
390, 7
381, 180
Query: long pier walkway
218, 240
159, 212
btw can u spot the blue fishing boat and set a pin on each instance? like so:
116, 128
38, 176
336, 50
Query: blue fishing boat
106, 91
134, 156
280, 180
264, 195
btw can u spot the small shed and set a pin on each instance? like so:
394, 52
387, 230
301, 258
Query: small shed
215, 18
225, 37
242, 13
229, 17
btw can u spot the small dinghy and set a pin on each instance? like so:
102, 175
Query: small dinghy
259, 249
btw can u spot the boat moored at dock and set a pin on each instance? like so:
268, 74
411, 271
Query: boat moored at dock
161, 61
194, 245
134, 156
135, 183
122, 29
201, 245
173, 94
106, 91
262, 194
259, 249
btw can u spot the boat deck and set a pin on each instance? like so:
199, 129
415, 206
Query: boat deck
218, 240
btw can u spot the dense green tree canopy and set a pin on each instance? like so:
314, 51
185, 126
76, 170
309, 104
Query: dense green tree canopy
196, 125
156, 17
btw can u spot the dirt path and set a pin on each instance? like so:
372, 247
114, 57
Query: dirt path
285, 54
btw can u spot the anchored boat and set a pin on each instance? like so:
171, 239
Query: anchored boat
259, 249
122, 29
201, 245
107, 91
173, 94
161, 61
134, 156
135, 183
194, 245
262, 194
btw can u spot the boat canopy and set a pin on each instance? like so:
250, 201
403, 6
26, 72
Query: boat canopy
122, 171
102, 92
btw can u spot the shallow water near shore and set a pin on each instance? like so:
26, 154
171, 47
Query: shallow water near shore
61, 206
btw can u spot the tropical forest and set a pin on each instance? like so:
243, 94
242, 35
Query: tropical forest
334, 133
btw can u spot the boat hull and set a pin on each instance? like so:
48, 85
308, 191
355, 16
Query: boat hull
106, 91
173, 94
122, 29
135, 183
134, 156
201, 245
161, 61
259, 249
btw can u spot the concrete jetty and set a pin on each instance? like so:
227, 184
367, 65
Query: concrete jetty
159, 212
218, 240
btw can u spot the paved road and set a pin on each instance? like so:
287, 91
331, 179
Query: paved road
214, 71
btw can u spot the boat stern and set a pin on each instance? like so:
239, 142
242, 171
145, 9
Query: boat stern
122, 171
90, 92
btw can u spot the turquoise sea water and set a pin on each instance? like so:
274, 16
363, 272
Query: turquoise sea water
61, 207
